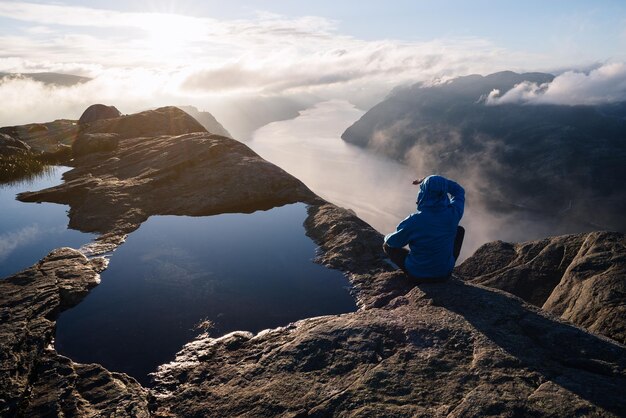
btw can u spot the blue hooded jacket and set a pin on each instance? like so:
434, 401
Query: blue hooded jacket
430, 232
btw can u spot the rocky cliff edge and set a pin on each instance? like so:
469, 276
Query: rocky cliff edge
451, 349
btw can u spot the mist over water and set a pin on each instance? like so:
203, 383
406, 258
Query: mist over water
378, 189
310, 148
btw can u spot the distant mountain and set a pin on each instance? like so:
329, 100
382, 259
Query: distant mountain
246, 115
49, 78
207, 120
562, 160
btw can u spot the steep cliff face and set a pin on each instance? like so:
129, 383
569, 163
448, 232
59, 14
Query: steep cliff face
451, 349
58, 79
545, 158
581, 278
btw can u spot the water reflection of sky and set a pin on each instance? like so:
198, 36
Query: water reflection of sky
241, 271
29, 231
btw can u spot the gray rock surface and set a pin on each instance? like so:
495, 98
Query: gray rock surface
34, 379
168, 120
452, 349
162, 172
98, 112
37, 127
56, 135
91, 143
455, 349
581, 278
12, 146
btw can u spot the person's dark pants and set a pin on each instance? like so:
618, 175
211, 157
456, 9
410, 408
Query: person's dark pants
398, 255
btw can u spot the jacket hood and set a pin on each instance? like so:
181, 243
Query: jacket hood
433, 193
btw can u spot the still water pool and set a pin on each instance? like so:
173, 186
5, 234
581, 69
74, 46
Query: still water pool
240, 271
29, 231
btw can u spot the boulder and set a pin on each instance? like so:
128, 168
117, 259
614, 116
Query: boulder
98, 112
151, 123
57, 154
12, 146
581, 278
93, 143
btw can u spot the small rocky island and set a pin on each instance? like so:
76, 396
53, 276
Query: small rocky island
530, 329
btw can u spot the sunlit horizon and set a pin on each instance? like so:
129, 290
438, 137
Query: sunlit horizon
221, 57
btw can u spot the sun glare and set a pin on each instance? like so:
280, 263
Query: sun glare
169, 35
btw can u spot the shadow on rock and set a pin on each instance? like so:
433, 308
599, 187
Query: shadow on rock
565, 355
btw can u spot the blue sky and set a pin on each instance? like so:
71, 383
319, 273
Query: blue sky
527, 24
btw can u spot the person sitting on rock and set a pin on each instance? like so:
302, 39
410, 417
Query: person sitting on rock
432, 233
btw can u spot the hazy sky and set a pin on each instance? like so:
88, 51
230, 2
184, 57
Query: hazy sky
210, 52
548, 34
582, 28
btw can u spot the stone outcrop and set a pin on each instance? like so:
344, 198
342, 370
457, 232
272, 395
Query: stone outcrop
12, 146
161, 172
98, 112
455, 349
35, 380
168, 120
452, 349
17, 160
92, 143
581, 278
45, 138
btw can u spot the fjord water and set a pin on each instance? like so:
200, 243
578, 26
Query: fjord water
379, 189
240, 271
29, 231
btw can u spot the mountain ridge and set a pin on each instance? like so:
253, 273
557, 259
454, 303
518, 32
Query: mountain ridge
59, 79
549, 158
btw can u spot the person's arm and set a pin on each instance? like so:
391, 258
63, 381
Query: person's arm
400, 238
458, 197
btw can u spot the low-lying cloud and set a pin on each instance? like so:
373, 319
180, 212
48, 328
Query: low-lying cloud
143, 60
140, 60
379, 189
606, 84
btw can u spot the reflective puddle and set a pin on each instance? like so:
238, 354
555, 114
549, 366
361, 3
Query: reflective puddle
29, 231
238, 271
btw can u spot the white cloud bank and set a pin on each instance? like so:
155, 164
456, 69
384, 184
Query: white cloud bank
143, 60
606, 84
